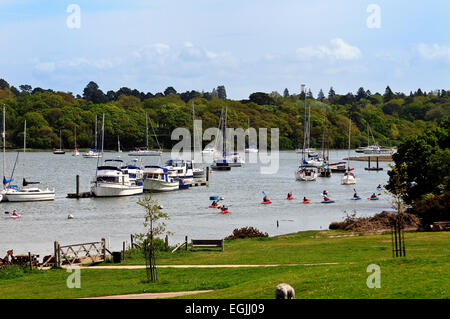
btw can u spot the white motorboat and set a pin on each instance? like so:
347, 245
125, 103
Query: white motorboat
306, 172
234, 159
156, 179
251, 149
180, 169
112, 181
349, 178
135, 173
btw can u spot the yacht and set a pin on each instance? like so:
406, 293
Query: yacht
92, 153
59, 151
234, 159
306, 172
135, 173
221, 159
145, 150
251, 149
156, 179
75, 151
13, 193
180, 169
113, 181
349, 178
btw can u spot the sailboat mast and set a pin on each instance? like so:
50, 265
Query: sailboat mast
4, 142
24, 145
103, 132
304, 124
225, 132
349, 132
96, 132
146, 128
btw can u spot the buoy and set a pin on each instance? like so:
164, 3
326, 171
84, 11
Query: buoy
70, 216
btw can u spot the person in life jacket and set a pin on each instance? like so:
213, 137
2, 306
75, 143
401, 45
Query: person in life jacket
265, 199
355, 195
224, 208
373, 196
289, 195
325, 193
14, 214
305, 199
214, 203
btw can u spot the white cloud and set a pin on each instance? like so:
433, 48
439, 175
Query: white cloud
339, 50
45, 67
434, 52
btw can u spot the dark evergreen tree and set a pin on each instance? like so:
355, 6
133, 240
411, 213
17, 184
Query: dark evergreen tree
320, 96
331, 95
388, 94
286, 93
4, 84
221, 92
25, 88
170, 90
309, 95
360, 94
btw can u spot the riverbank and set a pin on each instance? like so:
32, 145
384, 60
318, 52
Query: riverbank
373, 158
318, 264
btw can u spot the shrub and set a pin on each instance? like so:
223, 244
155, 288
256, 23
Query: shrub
433, 209
246, 232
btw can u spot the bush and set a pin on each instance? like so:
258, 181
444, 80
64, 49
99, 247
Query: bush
13, 271
246, 232
433, 209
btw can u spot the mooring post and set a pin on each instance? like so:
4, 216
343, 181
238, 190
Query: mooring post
377, 162
56, 249
207, 176
186, 242
368, 157
78, 185
104, 248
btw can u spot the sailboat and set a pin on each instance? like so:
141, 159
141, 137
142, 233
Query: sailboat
111, 180
92, 153
250, 148
145, 150
221, 163
75, 151
27, 193
60, 151
348, 178
306, 171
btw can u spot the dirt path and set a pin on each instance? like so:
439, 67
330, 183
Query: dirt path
206, 266
153, 295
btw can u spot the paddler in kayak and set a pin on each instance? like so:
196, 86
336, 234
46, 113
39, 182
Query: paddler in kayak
224, 209
265, 199
305, 199
326, 198
289, 195
214, 203
324, 193
355, 195
373, 196
14, 214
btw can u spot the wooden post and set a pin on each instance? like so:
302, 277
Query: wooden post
377, 162
29, 259
78, 186
222, 245
167, 243
207, 175
104, 248
131, 238
57, 255
186, 242
368, 161
123, 249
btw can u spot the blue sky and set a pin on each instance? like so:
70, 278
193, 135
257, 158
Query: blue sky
246, 45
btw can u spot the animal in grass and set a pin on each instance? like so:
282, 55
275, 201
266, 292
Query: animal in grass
284, 291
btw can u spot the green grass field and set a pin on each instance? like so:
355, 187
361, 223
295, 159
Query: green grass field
424, 273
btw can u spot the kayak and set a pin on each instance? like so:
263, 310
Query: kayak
217, 206
268, 202
374, 198
306, 201
290, 198
15, 216
224, 211
356, 198
327, 201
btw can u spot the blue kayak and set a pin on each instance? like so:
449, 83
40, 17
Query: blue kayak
327, 201
374, 198
356, 198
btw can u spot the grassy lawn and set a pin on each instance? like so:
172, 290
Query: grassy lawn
424, 273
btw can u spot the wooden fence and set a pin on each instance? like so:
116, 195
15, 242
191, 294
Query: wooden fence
84, 253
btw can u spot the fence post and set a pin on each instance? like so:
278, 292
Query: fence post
131, 239
104, 248
186, 241
29, 259
123, 257
207, 175
57, 255
167, 242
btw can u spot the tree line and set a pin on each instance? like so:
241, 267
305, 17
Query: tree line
391, 116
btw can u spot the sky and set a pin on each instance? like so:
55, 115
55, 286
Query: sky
245, 45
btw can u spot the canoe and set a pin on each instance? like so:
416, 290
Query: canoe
327, 201
268, 202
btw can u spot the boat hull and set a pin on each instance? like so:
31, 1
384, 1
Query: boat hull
115, 190
145, 153
18, 196
160, 186
305, 178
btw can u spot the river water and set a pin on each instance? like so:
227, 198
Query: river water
116, 218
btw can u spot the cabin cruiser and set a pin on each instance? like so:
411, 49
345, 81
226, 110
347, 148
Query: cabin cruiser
180, 169
234, 159
221, 165
197, 171
156, 179
135, 173
113, 181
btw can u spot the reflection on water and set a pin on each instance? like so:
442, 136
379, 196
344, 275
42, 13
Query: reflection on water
117, 218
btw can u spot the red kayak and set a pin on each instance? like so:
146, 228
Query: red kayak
224, 211
306, 201
268, 202
290, 198
217, 206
